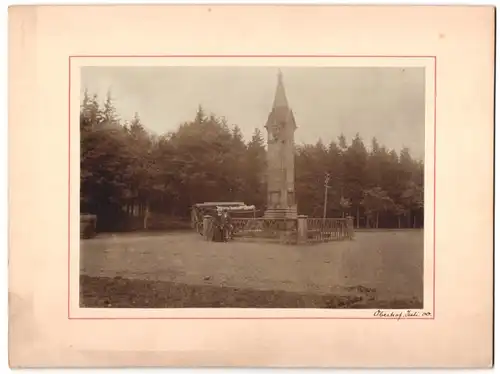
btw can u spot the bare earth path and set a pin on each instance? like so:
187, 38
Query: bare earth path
388, 263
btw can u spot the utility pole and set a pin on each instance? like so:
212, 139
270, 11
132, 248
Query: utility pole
342, 201
327, 179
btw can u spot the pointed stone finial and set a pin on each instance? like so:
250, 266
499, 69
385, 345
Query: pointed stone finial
280, 96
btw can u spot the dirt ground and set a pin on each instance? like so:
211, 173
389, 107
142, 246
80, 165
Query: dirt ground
379, 269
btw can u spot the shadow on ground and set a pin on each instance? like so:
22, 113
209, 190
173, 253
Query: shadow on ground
102, 292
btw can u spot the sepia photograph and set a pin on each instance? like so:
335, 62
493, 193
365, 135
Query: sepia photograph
241, 196
252, 187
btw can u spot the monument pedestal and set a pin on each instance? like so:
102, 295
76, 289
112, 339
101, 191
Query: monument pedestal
279, 213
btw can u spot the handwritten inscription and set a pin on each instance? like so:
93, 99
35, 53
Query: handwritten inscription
402, 314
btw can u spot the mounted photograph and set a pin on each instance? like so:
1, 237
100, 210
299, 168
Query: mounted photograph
252, 187
190, 190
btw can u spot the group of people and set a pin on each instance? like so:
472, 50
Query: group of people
222, 227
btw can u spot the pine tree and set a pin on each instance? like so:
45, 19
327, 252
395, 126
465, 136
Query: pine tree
355, 163
127, 171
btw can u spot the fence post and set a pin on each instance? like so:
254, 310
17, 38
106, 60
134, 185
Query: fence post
350, 227
301, 229
206, 226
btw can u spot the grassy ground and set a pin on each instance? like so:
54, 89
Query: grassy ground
118, 292
376, 270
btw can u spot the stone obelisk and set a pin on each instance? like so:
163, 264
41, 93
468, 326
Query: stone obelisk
280, 128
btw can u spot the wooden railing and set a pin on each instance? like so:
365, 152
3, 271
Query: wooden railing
264, 227
329, 229
301, 230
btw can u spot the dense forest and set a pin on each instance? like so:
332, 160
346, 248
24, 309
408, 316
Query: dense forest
128, 173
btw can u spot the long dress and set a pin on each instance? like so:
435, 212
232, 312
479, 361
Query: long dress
218, 230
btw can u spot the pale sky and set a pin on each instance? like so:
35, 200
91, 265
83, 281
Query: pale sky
388, 103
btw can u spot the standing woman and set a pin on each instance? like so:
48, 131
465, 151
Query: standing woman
229, 225
218, 233
225, 225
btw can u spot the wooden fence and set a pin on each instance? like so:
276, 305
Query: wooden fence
300, 230
329, 229
284, 230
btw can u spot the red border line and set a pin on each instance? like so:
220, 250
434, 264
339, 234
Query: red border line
252, 318
434, 198
69, 186
251, 56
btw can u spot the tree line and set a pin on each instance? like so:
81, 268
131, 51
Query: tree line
129, 173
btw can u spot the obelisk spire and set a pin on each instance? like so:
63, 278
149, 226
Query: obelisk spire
280, 100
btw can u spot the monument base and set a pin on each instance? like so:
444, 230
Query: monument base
281, 213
